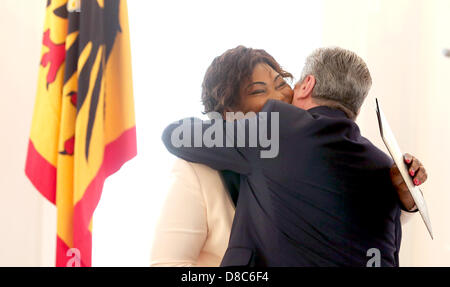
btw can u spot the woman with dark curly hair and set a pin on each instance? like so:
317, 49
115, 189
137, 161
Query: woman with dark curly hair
232, 83
195, 223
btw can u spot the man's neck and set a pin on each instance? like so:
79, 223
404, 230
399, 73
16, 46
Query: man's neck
311, 105
333, 105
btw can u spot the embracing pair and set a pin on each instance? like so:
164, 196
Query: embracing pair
328, 197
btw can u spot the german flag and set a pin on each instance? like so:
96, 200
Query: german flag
83, 127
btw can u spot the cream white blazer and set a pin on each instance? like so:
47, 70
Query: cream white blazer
195, 223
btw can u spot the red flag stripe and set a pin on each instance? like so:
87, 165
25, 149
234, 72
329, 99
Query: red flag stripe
41, 173
62, 257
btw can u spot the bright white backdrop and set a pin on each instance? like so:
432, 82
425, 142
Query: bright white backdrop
173, 43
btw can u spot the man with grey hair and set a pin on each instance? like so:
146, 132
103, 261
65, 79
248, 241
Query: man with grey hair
327, 199
333, 77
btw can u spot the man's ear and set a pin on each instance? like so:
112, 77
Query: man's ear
304, 89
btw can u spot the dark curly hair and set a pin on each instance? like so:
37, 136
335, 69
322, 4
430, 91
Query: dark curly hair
226, 74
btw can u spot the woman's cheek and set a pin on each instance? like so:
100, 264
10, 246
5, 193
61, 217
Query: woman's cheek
262, 103
289, 95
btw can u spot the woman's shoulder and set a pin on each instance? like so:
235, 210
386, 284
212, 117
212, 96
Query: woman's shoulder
202, 174
208, 181
199, 172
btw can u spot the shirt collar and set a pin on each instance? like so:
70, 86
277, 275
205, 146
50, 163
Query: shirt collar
328, 111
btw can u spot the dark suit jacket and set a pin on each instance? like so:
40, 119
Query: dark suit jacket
325, 200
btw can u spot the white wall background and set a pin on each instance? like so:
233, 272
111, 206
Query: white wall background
173, 42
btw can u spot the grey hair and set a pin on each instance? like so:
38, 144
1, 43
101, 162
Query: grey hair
342, 79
